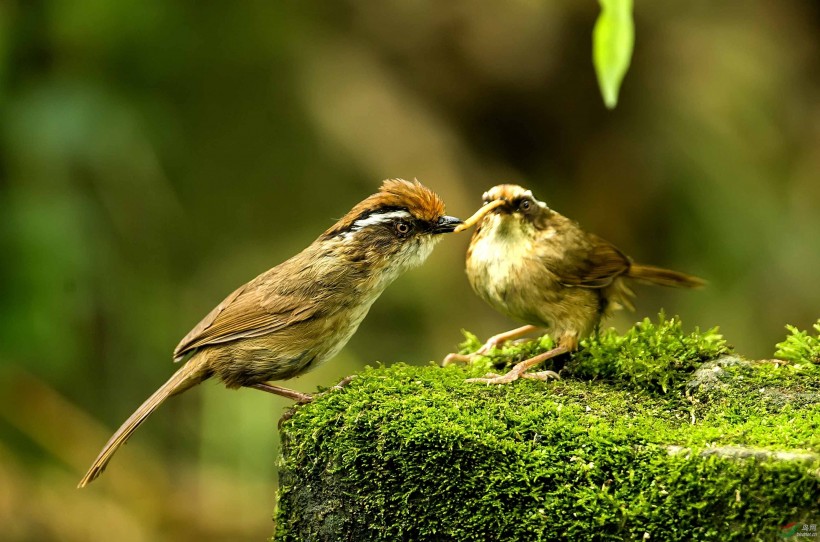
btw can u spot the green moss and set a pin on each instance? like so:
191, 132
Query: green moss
654, 356
799, 346
504, 355
730, 451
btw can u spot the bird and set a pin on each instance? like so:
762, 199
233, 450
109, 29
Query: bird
538, 267
300, 313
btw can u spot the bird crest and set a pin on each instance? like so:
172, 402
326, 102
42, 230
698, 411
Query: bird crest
394, 195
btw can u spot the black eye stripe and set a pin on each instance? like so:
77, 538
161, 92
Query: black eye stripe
381, 217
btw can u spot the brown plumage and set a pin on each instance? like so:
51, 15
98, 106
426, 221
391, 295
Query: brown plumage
302, 312
541, 268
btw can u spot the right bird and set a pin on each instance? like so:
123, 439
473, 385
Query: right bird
537, 266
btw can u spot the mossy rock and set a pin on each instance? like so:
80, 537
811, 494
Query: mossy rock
723, 450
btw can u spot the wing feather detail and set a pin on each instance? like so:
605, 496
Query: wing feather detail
598, 265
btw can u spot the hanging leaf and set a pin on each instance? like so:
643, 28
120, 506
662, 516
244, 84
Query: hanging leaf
612, 41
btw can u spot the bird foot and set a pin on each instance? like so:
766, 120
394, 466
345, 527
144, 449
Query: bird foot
512, 376
458, 358
285, 417
543, 376
344, 382
292, 410
469, 358
493, 342
494, 378
520, 369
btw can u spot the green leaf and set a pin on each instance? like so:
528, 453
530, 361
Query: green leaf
612, 42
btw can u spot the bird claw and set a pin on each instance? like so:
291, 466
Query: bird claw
457, 358
512, 376
543, 376
292, 410
520, 369
469, 358
493, 378
344, 382
285, 417
492, 342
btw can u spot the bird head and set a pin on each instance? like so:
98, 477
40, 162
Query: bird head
509, 208
395, 228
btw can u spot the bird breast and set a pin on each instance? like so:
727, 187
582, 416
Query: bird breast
497, 269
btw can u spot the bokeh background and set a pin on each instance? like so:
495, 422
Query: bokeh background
154, 155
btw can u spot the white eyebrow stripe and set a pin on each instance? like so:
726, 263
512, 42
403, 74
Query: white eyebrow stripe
379, 218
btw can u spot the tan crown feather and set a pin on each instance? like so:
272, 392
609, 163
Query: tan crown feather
417, 199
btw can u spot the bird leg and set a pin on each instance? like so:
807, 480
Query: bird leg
491, 343
299, 397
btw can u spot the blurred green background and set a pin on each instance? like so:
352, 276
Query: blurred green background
154, 155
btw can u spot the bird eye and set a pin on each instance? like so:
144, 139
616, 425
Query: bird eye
525, 205
402, 228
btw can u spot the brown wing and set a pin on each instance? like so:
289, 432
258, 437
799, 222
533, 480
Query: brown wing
246, 313
595, 265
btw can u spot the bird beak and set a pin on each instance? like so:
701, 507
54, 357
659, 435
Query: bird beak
446, 224
478, 215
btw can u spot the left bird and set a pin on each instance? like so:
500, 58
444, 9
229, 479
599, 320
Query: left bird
293, 317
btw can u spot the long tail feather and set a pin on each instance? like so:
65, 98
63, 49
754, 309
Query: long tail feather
186, 377
664, 277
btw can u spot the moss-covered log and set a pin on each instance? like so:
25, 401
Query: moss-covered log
663, 447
